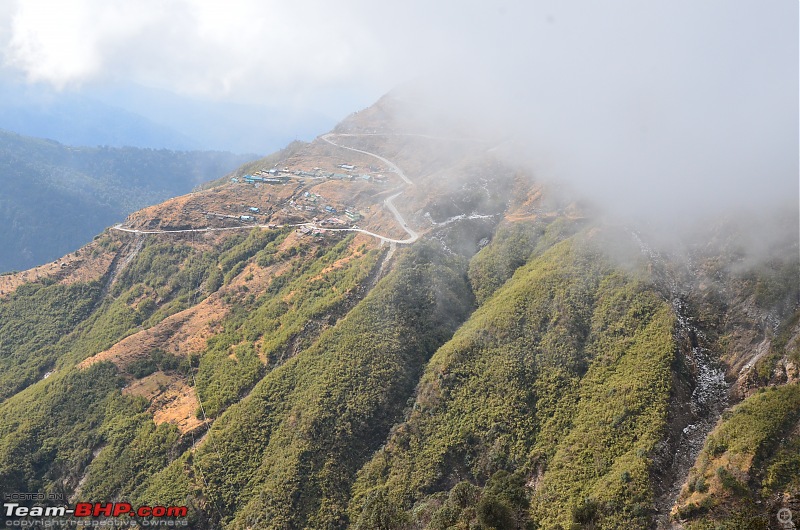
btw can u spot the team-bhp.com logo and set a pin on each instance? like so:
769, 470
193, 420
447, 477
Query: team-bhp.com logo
87, 513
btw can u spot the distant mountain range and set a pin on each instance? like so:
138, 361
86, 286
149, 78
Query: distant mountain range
55, 198
136, 116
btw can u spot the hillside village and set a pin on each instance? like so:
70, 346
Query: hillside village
334, 193
303, 200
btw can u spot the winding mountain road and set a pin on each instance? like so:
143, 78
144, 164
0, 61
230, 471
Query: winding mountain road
247, 227
412, 235
392, 167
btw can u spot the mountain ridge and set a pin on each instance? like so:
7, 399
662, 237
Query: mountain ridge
57, 197
523, 364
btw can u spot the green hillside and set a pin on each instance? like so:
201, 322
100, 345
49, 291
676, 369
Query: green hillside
413, 403
568, 362
750, 460
520, 365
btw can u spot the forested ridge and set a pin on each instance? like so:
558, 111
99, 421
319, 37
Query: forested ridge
519, 366
57, 197
525, 386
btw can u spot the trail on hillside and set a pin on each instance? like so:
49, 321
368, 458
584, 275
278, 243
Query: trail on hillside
412, 235
388, 203
392, 167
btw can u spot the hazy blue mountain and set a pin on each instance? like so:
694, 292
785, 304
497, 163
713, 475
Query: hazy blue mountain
136, 116
222, 125
79, 120
55, 198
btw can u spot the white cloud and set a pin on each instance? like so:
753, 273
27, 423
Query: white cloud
652, 104
247, 50
69, 42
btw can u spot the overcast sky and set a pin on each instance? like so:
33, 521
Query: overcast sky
313, 52
640, 97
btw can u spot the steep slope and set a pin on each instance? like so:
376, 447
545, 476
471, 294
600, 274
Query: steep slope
749, 468
299, 437
559, 384
390, 328
165, 291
